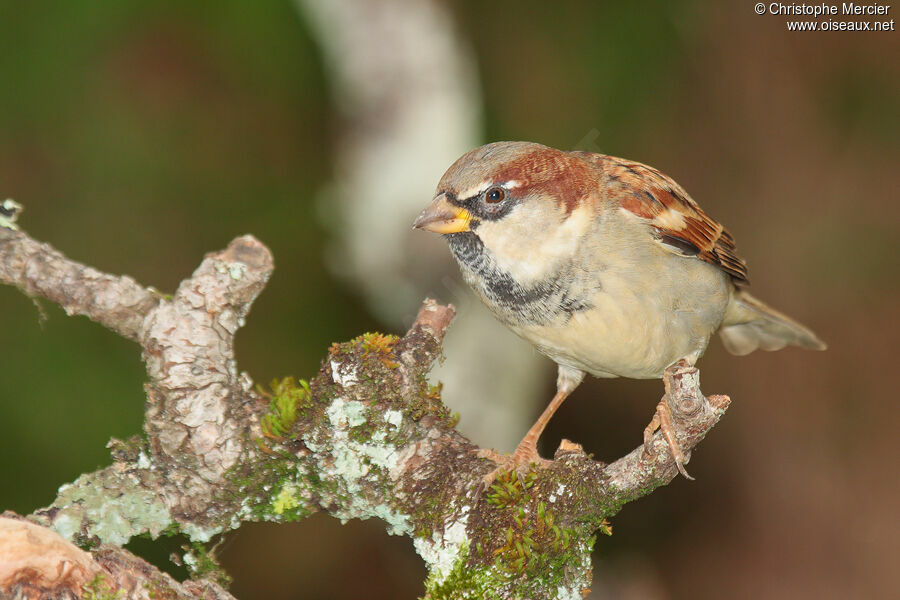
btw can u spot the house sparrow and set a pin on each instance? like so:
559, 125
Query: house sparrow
605, 265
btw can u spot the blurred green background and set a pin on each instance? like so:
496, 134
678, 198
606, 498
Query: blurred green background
140, 135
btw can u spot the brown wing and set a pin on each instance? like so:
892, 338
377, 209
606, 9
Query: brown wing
677, 220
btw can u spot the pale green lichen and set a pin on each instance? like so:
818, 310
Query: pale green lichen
393, 417
352, 461
345, 375
576, 586
560, 491
86, 506
198, 533
564, 593
342, 411
143, 461
67, 525
442, 550
235, 270
397, 523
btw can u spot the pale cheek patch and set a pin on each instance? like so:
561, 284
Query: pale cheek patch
511, 243
577, 223
529, 245
560, 243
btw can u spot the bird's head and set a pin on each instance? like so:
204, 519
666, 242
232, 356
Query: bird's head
519, 199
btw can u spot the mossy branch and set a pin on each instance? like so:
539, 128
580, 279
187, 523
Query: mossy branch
365, 437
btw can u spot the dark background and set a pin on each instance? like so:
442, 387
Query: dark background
140, 135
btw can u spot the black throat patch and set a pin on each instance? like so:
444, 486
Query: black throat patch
538, 303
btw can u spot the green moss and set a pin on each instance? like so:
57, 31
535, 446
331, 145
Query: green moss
368, 363
428, 516
276, 491
285, 500
427, 401
202, 563
535, 543
434, 391
288, 399
291, 503
99, 588
535, 551
158, 589
367, 346
462, 582
467, 579
381, 345
509, 489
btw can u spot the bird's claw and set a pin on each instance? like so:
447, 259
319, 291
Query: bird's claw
662, 420
524, 460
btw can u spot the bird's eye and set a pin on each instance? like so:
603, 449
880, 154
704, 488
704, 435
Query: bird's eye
494, 195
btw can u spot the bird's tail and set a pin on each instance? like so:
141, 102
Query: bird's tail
750, 324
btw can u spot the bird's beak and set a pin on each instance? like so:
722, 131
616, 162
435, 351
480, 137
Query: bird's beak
443, 217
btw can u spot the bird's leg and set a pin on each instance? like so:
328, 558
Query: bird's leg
662, 420
526, 453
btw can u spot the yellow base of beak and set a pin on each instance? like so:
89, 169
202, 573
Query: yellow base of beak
442, 217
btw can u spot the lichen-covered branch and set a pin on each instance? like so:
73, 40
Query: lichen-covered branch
366, 437
37, 563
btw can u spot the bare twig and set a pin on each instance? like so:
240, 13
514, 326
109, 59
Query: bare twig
39, 270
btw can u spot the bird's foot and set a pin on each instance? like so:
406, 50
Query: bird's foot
522, 461
662, 420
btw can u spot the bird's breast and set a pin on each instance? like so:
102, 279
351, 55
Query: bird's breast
615, 320
638, 323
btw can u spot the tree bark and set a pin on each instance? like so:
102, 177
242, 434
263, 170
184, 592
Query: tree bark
366, 437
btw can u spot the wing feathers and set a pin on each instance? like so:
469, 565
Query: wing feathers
677, 220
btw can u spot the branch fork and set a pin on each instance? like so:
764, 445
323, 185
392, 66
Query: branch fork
368, 438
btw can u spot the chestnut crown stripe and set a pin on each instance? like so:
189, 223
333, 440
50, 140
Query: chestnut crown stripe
557, 174
676, 218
